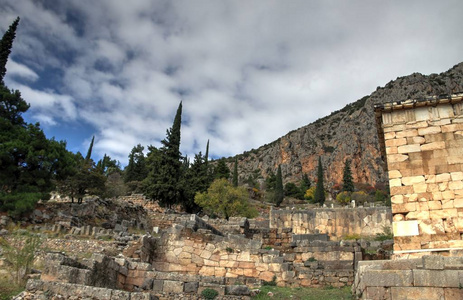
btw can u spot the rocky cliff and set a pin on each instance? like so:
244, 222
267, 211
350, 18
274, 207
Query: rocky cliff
349, 133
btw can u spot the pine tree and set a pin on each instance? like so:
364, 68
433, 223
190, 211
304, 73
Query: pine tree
235, 173
90, 149
347, 184
5, 47
320, 189
279, 191
136, 169
222, 170
164, 179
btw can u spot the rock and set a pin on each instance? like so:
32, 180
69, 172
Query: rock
270, 294
237, 290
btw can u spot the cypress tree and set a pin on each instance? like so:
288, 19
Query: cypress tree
90, 149
222, 170
235, 173
279, 192
347, 184
164, 180
320, 189
5, 47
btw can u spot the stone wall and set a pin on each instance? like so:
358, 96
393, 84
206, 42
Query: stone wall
336, 222
306, 263
429, 277
423, 143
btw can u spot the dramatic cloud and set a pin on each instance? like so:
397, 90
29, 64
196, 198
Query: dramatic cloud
247, 72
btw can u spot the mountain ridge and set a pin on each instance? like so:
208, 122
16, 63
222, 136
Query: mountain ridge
347, 133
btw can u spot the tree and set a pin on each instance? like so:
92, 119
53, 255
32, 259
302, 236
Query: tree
270, 181
347, 184
319, 196
235, 173
136, 170
225, 201
90, 149
221, 170
279, 192
163, 180
6, 43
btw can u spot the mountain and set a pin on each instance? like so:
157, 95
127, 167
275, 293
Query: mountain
347, 133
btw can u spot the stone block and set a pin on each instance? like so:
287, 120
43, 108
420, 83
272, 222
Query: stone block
417, 140
237, 290
389, 278
391, 150
417, 293
420, 188
411, 180
191, 287
396, 174
456, 176
397, 199
401, 190
453, 293
429, 130
393, 158
443, 177
406, 133
452, 127
458, 202
389, 135
456, 185
447, 195
410, 148
158, 285
395, 182
170, 286
437, 278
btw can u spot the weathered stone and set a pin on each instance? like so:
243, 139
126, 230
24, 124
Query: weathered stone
388, 278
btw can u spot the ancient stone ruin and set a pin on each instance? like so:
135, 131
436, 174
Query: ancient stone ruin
422, 140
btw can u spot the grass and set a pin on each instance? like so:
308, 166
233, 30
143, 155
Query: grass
327, 293
8, 289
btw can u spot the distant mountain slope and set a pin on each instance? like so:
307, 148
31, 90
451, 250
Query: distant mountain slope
346, 133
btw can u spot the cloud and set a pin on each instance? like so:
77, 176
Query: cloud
247, 71
21, 71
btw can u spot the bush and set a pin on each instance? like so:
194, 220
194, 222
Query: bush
209, 294
343, 197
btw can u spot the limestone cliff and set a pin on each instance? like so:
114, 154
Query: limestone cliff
346, 133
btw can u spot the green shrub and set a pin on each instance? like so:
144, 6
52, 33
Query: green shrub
209, 294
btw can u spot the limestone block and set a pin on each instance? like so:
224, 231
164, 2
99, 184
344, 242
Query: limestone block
449, 226
395, 182
398, 217
396, 158
456, 185
417, 124
458, 193
411, 180
407, 133
425, 197
416, 140
417, 293
447, 195
391, 150
397, 199
410, 148
441, 122
452, 127
401, 190
447, 204
453, 293
420, 188
423, 206
436, 278
417, 215
432, 188
405, 228
456, 176
452, 160
411, 198
458, 202
396, 142
396, 174
191, 287
443, 213
443, 186
430, 178
437, 196
426, 227
388, 278
429, 130
389, 135
432, 146
443, 177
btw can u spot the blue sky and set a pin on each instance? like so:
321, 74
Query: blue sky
247, 72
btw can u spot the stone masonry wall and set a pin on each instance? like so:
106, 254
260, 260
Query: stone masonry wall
336, 222
424, 149
429, 277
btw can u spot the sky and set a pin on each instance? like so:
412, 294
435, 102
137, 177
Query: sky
246, 71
